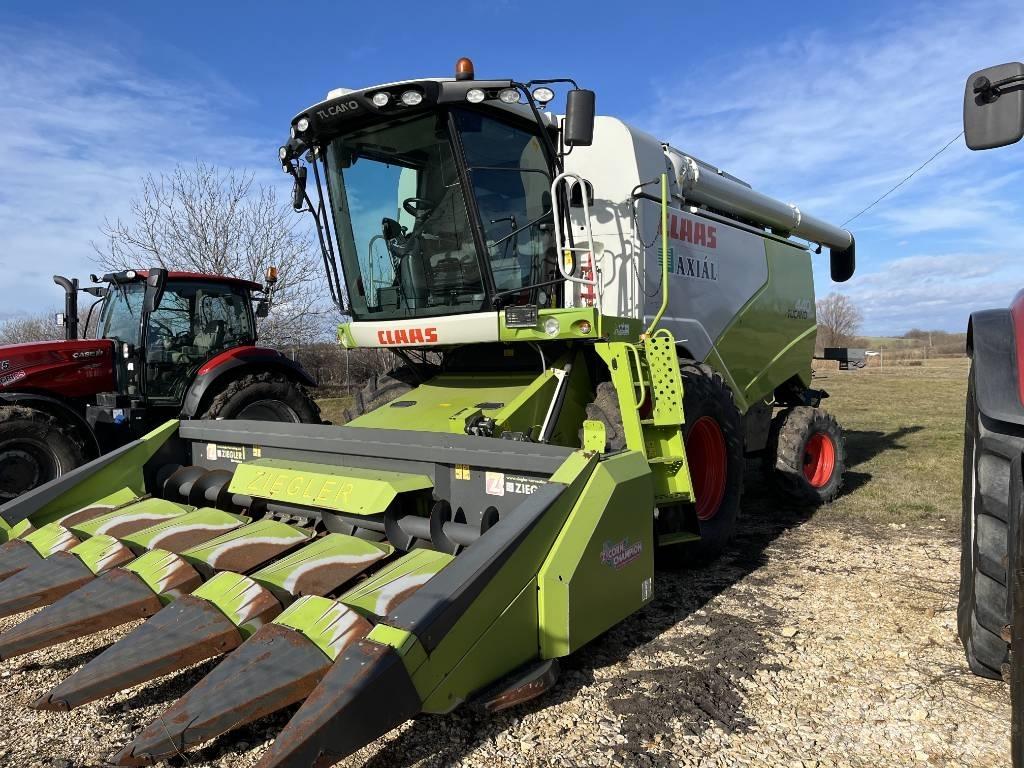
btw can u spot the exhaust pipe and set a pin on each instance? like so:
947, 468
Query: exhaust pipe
70, 306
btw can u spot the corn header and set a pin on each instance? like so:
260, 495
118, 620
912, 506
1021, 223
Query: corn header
595, 331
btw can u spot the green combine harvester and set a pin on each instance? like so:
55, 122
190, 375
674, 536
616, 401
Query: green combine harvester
596, 331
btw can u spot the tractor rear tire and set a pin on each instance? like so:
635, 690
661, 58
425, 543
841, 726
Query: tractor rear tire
34, 449
264, 397
806, 454
991, 502
380, 390
713, 436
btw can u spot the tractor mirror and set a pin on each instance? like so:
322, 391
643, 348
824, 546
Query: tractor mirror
156, 283
59, 320
262, 309
578, 128
299, 188
994, 106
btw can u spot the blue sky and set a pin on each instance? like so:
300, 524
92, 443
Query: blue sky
825, 105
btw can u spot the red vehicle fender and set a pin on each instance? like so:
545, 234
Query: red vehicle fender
229, 364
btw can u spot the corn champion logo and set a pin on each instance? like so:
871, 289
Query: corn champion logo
620, 554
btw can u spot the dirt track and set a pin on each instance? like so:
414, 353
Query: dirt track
814, 642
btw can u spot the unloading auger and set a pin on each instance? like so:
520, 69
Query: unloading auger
596, 331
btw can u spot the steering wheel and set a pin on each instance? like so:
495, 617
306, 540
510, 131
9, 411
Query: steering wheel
418, 207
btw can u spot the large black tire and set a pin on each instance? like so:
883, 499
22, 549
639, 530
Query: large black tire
264, 397
990, 516
380, 390
713, 435
806, 455
34, 449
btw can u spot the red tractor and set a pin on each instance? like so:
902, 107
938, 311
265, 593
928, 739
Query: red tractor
167, 344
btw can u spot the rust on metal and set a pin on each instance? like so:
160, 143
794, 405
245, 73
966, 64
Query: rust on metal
324, 578
529, 686
365, 694
187, 631
245, 555
273, 669
42, 583
16, 555
115, 598
85, 514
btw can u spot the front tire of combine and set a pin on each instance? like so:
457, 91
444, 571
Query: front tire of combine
264, 397
380, 390
713, 436
34, 449
807, 454
991, 470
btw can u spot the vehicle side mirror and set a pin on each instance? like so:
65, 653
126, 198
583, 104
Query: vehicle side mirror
299, 188
156, 284
262, 309
60, 320
994, 106
578, 128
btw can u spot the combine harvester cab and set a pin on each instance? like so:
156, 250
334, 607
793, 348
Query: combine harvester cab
570, 400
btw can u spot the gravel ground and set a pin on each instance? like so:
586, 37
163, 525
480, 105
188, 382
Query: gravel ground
811, 643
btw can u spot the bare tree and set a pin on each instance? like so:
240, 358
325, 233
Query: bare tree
25, 328
201, 218
838, 320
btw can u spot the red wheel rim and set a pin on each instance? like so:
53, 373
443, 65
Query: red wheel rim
819, 459
706, 455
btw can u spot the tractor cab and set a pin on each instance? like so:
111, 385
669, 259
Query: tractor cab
197, 317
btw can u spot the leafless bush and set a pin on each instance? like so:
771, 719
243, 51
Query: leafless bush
838, 320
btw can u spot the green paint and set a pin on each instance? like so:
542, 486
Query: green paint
206, 518
326, 623
595, 572
122, 476
343, 489
157, 510
101, 553
509, 642
51, 538
772, 337
380, 593
571, 325
244, 602
517, 572
406, 644
279, 577
158, 568
209, 553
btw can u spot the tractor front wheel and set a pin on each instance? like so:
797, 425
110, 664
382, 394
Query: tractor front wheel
713, 436
807, 454
264, 397
34, 449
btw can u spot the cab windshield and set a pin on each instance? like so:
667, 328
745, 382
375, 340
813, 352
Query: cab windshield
121, 313
405, 227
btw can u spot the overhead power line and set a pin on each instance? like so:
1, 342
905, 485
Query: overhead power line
907, 178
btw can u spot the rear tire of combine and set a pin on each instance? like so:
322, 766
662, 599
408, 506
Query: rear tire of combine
991, 469
713, 435
34, 449
264, 397
807, 454
380, 390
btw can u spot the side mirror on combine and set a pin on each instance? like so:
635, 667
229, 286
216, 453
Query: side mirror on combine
578, 128
156, 283
299, 188
60, 320
994, 106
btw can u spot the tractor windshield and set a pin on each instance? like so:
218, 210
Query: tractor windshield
121, 313
407, 231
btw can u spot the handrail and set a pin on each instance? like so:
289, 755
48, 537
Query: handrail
664, 254
596, 281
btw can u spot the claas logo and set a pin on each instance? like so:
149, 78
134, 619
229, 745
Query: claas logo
408, 336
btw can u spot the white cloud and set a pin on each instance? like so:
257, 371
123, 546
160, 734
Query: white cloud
831, 120
79, 125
